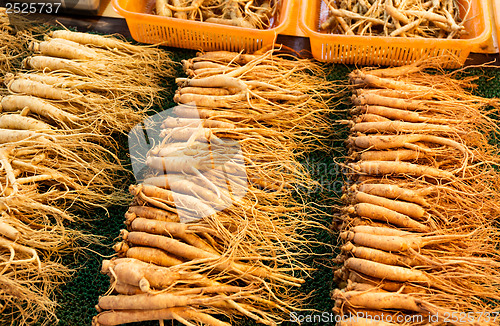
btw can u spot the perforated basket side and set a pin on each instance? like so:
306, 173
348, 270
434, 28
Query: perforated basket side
195, 39
382, 54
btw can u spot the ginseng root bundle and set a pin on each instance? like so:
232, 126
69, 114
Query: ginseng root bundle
216, 227
420, 239
57, 154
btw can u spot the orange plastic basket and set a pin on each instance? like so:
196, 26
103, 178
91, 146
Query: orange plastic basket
153, 29
393, 51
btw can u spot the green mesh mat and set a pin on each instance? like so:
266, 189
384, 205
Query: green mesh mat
77, 298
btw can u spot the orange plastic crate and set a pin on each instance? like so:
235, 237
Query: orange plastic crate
393, 51
153, 29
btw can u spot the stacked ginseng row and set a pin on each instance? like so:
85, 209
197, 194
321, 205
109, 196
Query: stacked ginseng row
215, 228
57, 155
420, 240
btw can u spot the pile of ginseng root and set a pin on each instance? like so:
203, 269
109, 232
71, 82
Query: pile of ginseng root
260, 14
419, 225
58, 157
217, 229
417, 18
